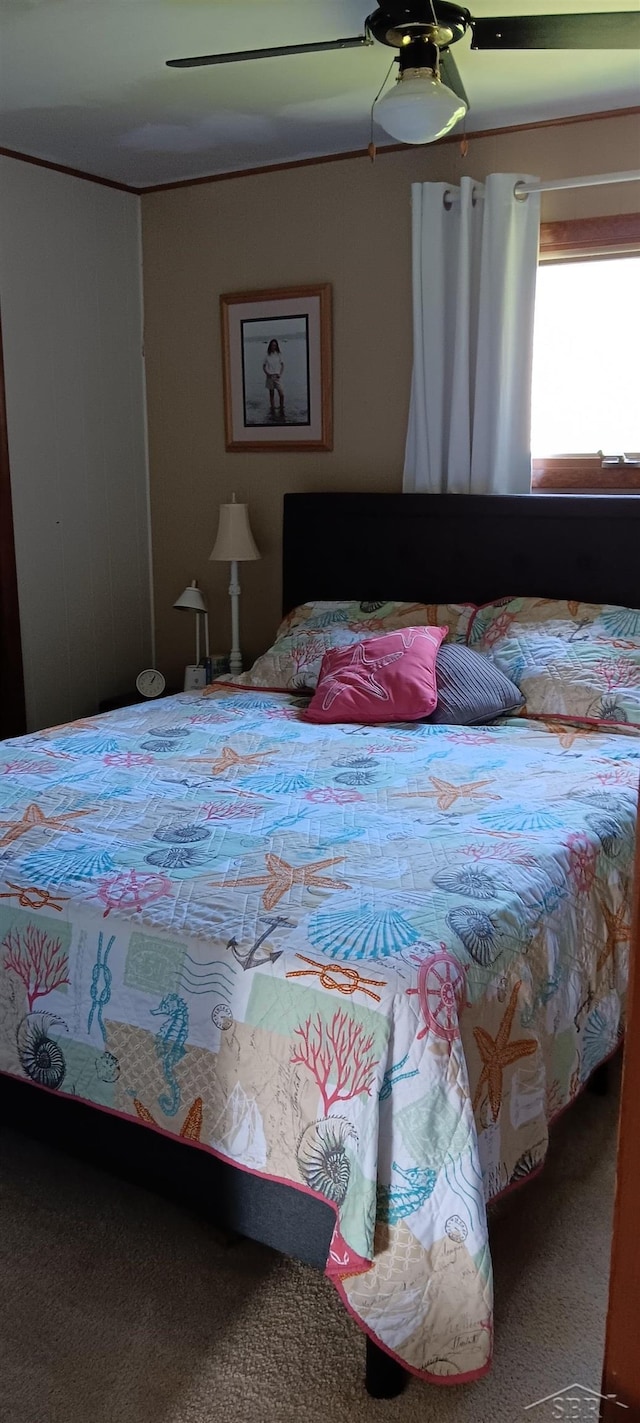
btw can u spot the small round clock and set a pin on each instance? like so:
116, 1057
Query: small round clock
150, 683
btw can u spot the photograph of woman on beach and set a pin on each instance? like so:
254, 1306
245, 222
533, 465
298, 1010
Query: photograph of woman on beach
275, 371
273, 367
276, 368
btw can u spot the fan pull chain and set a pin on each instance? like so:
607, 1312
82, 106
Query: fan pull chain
464, 142
371, 147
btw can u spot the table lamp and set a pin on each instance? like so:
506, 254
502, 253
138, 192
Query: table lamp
235, 544
192, 600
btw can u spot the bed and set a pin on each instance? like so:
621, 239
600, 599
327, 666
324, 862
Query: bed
334, 983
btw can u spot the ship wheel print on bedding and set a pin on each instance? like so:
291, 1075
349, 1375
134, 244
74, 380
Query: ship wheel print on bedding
170, 1047
130, 892
441, 992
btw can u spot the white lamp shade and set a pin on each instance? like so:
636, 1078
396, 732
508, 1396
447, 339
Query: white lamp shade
419, 108
192, 599
235, 541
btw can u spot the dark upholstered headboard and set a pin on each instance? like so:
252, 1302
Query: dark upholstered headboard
448, 548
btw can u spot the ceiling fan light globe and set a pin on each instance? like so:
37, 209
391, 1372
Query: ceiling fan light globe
419, 108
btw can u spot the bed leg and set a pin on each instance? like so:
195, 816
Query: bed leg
384, 1378
229, 1239
600, 1080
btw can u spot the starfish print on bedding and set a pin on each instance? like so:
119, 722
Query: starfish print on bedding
359, 671
446, 794
618, 932
33, 819
498, 1053
281, 877
83, 723
191, 1126
229, 759
566, 734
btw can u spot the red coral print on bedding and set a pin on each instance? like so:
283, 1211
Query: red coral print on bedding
498, 628
38, 960
583, 862
338, 1052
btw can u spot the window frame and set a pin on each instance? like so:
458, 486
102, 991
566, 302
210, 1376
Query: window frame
574, 240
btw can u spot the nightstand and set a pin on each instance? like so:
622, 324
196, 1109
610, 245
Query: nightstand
132, 699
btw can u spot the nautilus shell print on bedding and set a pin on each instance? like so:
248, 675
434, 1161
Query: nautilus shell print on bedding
477, 932
476, 883
39, 1052
324, 1159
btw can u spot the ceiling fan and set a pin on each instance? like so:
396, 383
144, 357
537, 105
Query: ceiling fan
420, 107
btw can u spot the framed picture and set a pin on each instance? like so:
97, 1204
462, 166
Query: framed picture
277, 369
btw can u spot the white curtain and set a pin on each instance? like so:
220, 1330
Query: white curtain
475, 256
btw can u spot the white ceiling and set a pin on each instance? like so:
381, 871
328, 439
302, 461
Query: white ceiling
84, 83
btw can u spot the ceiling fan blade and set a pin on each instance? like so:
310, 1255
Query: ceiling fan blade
613, 30
355, 42
450, 75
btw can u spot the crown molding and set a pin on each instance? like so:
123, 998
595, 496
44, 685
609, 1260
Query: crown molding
145, 190
633, 110
70, 172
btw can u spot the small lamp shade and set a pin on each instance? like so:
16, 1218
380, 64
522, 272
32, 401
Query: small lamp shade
192, 599
235, 544
235, 541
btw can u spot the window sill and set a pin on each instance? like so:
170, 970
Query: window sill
583, 474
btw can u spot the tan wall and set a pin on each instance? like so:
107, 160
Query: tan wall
347, 223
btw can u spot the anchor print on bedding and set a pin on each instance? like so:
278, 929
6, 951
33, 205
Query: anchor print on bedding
370, 962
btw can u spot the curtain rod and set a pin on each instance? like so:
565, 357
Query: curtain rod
521, 189
593, 180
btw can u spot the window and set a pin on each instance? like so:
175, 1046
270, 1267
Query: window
585, 428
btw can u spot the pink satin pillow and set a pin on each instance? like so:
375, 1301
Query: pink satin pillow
387, 678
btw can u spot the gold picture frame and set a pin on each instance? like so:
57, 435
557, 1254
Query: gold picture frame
276, 351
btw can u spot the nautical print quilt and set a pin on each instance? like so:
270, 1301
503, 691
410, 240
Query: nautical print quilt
370, 962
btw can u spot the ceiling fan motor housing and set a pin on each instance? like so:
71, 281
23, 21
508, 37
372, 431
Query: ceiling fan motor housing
408, 23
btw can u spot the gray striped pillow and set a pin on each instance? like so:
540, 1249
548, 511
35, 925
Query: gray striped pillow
471, 689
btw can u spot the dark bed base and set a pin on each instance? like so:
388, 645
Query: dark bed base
232, 1200
427, 548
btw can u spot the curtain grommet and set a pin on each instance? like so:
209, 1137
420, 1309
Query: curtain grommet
519, 196
447, 199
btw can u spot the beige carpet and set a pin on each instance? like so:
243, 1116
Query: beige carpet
116, 1307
